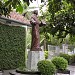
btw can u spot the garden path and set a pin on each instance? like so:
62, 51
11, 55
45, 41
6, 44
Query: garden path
71, 68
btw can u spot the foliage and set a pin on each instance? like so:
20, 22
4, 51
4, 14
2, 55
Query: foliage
60, 18
7, 5
72, 59
60, 63
69, 58
72, 40
66, 56
46, 67
46, 54
12, 47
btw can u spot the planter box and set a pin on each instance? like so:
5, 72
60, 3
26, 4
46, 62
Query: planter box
66, 72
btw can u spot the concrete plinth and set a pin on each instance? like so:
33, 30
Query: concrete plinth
33, 58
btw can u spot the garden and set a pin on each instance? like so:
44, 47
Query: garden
57, 39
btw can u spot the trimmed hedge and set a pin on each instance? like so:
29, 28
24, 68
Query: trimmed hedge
69, 58
72, 59
66, 56
12, 47
46, 67
60, 63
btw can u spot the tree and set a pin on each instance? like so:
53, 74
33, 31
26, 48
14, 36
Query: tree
60, 18
8, 5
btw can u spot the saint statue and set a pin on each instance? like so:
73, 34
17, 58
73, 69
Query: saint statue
35, 44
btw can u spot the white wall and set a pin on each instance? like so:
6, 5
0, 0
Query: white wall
35, 5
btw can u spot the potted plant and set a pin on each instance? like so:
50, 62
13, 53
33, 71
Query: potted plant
61, 65
46, 67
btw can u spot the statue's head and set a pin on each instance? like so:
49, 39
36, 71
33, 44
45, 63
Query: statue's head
35, 12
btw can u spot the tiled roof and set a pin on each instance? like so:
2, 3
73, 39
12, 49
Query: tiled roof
16, 16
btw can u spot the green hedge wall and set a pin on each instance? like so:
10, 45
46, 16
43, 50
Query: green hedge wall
12, 47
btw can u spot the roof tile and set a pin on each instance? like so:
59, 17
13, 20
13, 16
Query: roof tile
16, 16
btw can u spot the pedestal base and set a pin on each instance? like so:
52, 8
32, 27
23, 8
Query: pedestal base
33, 58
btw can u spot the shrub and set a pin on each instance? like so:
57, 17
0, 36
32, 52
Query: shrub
66, 56
60, 63
46, 67
46, 54
12, 47
72, 59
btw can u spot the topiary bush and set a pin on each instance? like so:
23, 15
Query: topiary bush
12, 46
66, 56
60, 63
46, 67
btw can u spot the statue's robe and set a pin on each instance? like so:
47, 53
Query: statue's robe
35, 44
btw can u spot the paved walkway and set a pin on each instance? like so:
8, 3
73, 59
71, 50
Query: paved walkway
71, 68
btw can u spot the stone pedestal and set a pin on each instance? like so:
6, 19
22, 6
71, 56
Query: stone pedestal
33, 58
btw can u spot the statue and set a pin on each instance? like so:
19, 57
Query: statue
35, 44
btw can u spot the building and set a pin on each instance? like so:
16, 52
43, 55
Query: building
36, 4
15, 19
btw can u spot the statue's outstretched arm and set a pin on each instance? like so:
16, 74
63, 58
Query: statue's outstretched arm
42, 23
